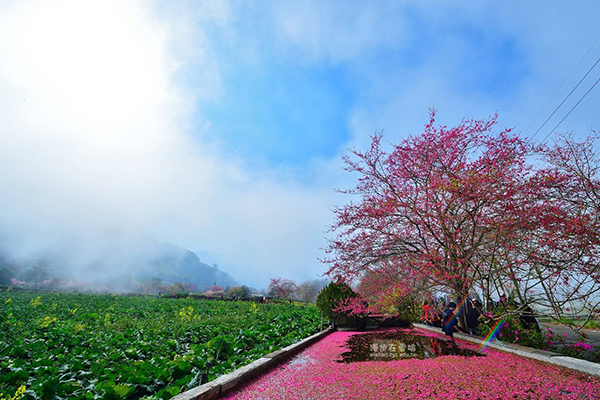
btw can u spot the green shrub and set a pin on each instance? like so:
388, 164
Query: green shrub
512, 331
407, 309
331, 296
593, 324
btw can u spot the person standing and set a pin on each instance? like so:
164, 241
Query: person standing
426, 313
449, 320
473, 317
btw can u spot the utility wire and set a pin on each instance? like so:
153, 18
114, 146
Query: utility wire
560, 87
586, 93
566, 98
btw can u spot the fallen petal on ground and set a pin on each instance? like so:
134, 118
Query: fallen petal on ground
316, 373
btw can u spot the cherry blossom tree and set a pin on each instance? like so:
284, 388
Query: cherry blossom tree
462, 208
432, 207
391, 288
562, 246
307, 291
282, 287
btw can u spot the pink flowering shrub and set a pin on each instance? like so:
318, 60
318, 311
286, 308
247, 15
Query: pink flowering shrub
17, 282
512, 331
59, 284
583, 346
316, 373
579, 349
353, 306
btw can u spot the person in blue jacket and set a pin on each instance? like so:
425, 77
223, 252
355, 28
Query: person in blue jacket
449, 320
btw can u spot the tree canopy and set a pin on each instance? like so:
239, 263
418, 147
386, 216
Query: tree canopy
463, 208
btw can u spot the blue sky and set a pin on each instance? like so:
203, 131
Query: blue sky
282, 115
288, 103
220, 125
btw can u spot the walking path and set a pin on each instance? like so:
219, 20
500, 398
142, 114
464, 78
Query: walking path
592, 335
319, 372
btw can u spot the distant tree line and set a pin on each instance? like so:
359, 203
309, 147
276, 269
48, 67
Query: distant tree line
285, 289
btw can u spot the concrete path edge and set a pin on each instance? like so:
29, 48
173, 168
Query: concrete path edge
226, 383
550, 357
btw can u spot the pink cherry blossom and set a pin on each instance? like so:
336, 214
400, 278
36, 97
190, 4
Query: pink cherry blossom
317, 373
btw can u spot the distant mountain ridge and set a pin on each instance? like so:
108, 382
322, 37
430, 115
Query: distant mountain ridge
118, 267
179, 265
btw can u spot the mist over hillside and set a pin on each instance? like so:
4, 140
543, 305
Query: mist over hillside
179, 265
116, 268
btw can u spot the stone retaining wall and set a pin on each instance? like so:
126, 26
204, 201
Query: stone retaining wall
546, 356
226, 383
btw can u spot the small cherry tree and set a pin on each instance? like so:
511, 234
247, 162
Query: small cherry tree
307, 291
282, 287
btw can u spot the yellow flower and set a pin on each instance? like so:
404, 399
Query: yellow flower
47, 321
36, 302
19, 394
7, 301
187, 314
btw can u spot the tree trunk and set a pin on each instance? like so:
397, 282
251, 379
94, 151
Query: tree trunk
462, 303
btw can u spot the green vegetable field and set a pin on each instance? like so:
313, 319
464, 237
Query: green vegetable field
83, 346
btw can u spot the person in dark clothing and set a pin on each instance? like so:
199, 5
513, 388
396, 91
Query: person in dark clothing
528, 319
473, 317
449, 321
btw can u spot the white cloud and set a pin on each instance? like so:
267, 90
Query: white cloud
339, 32
97, 154
102, 141
362, 37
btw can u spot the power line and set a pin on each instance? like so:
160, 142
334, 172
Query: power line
586, 93
560, 87
566, 98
